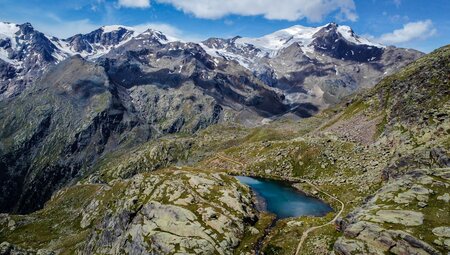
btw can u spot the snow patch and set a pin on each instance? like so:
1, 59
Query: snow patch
112, 28
8, 30
272, 43
222, 53
347, 33
5, 57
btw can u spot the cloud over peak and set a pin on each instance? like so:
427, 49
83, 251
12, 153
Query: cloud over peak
411, 31
134, 3
313, 10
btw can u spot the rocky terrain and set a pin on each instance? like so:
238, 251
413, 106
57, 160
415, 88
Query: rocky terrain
130, 148
315, 65
81, 110
409, 215
25, 54
91, 94
115, 87
174, 211
310, 65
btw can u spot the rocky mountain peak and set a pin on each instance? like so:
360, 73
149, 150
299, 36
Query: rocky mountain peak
290, 58
19, 42
12, 30
341, 42
236, 38
99, 41
153, 36
26, 28
114, 28
102, 33
346, 33
25, 53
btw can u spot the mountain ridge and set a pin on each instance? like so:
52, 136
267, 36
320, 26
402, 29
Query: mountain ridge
266, 64
384, 153
146, 87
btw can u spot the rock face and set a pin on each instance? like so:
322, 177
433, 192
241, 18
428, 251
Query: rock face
391, 221
315, 65
174, 64
81, 110
131, 87
73, 111
310, 65
170, 212
100, 41
25, 54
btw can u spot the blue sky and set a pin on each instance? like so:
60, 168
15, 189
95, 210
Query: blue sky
423, 25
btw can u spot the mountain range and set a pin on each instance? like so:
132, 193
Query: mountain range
317, 65
123, 141
88, 94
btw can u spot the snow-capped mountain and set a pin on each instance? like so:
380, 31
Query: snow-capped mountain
17, 40
21, 44
314, 65
304, 36
310, 39
24, 54
103, 40
98, 42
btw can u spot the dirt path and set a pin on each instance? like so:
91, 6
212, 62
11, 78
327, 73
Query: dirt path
230, 159
305, 234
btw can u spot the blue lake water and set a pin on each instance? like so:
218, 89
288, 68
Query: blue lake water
284, 200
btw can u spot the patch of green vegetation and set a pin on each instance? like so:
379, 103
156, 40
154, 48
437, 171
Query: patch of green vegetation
250, 239
58, 222
381, 126
320, 241
273, 250
287, 232
306, 160
263, 134
354, 109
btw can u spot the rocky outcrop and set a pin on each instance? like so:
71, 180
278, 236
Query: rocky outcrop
395, 220
319, 65
81, 110
99, 41
27, 54
170, 212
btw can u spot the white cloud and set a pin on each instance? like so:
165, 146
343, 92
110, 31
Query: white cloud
134, 3
313, 10
411, 31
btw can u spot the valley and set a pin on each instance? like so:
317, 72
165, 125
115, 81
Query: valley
130, 144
